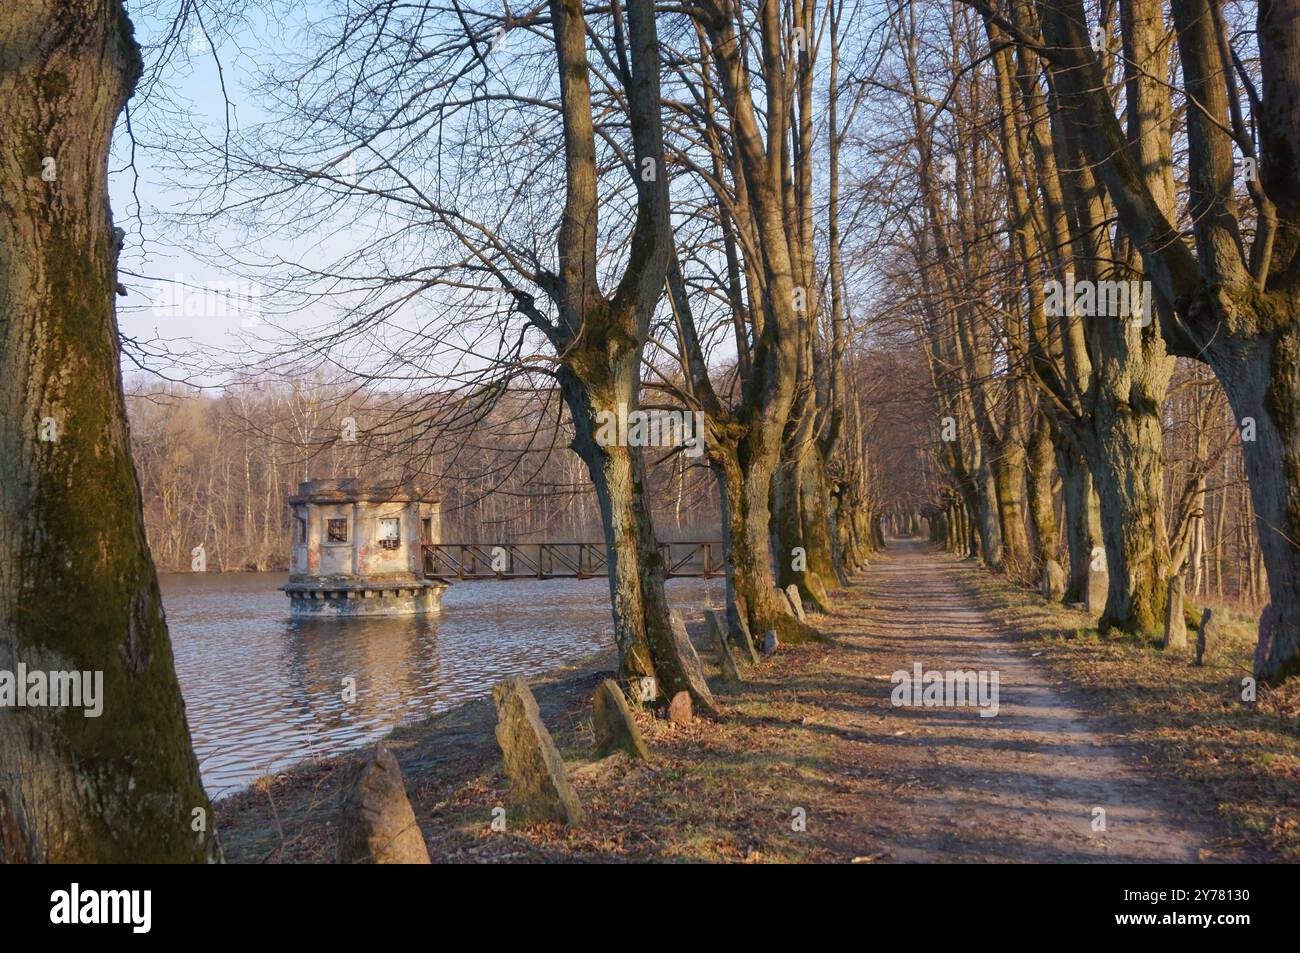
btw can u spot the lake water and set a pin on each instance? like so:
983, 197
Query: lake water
263, 691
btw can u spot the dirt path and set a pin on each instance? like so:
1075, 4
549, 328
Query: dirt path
1020, 786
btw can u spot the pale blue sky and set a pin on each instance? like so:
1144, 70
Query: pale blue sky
173, 296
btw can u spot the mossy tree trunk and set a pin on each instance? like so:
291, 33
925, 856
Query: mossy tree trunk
1263, 386
78, 590
1082, 524
1039, 469
801, 524
642, 630
1126, 460
743, 483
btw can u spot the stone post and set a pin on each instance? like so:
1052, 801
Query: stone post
1175, 624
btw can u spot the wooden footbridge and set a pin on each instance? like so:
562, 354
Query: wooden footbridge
470, 561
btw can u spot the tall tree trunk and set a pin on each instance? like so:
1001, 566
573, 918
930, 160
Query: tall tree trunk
989, 525
769, 391
1038, 479
752, 597
642, 631
601, 339
1116, 368
1082, 520
1008, 478
78, 591
800, 519
1127, 466
1264, 385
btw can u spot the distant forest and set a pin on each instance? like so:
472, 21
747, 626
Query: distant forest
216, 466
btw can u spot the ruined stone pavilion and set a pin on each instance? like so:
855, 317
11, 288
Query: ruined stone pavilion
357, 549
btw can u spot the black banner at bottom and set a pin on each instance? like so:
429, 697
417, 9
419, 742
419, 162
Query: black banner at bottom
128, 905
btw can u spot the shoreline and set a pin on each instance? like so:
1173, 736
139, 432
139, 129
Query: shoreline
406, 668
458, 739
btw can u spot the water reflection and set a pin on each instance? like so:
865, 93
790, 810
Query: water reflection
264, 691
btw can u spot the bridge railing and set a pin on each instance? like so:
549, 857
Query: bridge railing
466, 561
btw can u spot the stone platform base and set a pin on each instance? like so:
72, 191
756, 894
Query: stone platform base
371, 599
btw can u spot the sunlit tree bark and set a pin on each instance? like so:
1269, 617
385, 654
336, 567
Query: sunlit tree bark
78, 590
